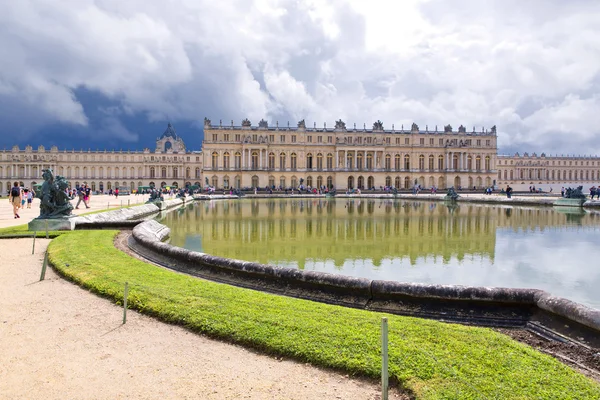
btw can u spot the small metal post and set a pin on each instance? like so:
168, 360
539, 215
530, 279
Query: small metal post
46, 229
128, 200
43, 275
107, 205
33, 248
125, 302
384, 359
121, 203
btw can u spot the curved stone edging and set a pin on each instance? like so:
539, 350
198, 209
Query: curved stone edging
493, 304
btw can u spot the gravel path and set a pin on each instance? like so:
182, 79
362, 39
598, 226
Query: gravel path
59, 341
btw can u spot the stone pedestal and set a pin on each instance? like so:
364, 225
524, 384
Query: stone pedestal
569, 202
52, 224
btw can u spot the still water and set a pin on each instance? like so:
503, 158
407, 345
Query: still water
409, 241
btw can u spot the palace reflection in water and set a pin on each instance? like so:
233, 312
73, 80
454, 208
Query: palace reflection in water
409, 241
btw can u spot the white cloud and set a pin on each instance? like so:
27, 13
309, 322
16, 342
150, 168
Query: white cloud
530, 68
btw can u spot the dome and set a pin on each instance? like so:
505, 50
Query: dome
169, 132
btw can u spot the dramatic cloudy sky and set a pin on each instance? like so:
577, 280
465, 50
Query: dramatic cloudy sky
110, 73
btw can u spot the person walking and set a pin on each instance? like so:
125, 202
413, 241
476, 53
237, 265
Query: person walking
87, 192
15, 199
80, 196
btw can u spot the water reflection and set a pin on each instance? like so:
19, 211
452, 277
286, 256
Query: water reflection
429, 242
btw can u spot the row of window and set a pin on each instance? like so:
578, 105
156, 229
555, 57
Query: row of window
329, 139
557, 163
93, 157
399, 162
553, 175
91, 172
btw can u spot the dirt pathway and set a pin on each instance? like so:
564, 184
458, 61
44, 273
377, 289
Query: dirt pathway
58, 341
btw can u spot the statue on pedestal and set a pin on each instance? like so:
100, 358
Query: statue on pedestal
54, 199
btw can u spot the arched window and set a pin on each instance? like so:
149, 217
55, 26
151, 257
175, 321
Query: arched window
455, 165
421, 161
163, 172
329, 161
397, 183
397, 162
319, 182
370, 182
309, 161
319, 161
360, 184
329, 182
431, 162
255, 181
487, 163
359, 161
406, 182
349, 160
225, 182
369, 161
254, 160
282, 182
478, 164
188, 173
140, 173
197, 173
293, 161
388, 162
470, 164
272, 163
226, 164
294, 182
388, 181
215, 160
215, 181
282, 161
238, 160
272, 178
350, 182
441, 163
175, 172
309, 181
406, 162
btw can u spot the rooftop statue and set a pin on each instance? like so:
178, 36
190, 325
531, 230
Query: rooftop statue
263, 124
246, 122
448, 128
493, 129
340, 124
462, 129
378, 126
414, 127
54, 199
302, 124
206, 121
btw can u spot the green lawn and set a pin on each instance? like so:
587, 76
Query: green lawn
433, 360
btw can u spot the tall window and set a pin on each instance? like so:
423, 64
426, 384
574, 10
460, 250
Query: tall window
487, 163
369, 161
397, 162
255, 160
309, 161
320, 161
282, 161
226, 163
163, 172
215, 160
478, 163
175, 172
329, 161
421, 161
349, 161
238, 160
329, 182
406, 162
359, 161
441, 163
293, 161
319, 181
272, 163
197, 173
431, 162
388, 162
152, 173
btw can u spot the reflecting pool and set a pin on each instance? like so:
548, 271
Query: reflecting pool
408, 241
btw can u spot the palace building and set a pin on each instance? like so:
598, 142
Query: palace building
258, 156
169, 165
246, 156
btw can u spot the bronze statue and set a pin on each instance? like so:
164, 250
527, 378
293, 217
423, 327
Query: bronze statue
263, 124
246, 122
378, 125
340, 124
302, 124
54, 199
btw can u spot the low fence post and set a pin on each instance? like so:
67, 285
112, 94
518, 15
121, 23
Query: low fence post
43, 275
46, 229
125, 293
384, 359
33, 248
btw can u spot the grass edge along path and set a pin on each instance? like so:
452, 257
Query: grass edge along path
431, 359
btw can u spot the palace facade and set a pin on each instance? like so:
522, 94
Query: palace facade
544, 170
247, 156
259, 156
168, 165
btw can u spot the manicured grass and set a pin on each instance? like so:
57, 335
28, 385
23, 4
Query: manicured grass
431, 359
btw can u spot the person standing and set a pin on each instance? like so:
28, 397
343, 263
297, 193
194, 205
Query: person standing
86, 196
15, 199
80, 196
